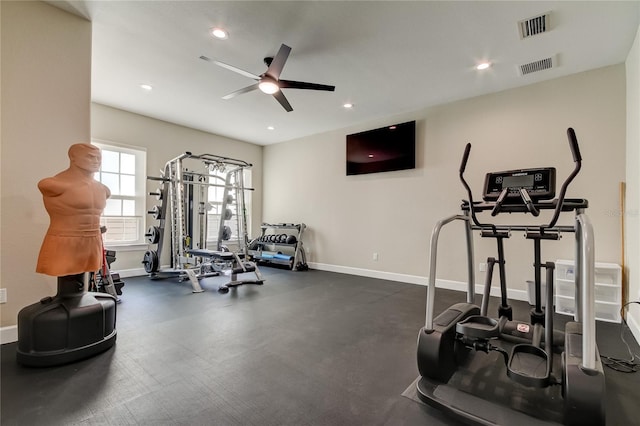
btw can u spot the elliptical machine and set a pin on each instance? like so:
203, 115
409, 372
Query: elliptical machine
551, 376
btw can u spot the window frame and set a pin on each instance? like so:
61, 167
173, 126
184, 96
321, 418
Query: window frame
140, 196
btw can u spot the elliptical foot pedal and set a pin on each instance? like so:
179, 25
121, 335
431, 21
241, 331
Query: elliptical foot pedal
478, 327
529, 365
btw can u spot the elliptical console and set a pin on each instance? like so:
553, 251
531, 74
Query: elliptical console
539, 183
532, 384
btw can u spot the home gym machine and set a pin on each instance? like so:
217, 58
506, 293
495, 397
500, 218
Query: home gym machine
527, 374
184, 203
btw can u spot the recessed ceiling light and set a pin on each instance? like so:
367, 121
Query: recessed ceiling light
348, 105
370, 155
483, 66
219, 33
270, 128
146, 87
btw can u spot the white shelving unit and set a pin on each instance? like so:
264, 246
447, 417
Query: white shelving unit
608, 291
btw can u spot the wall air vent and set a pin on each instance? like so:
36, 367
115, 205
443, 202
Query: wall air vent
534, 26
535, 66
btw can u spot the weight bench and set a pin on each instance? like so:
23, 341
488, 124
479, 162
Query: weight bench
238, 267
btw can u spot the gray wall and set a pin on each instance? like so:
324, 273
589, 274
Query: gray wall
164, 141
632, 209
46, 55
392, 214
46, 91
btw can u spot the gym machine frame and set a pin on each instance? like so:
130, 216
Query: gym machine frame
449, 340
179, 186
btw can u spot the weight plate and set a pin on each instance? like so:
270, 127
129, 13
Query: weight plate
226, 233
153, 235
156, 212
150, 261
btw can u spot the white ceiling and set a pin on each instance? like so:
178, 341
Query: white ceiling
386, 57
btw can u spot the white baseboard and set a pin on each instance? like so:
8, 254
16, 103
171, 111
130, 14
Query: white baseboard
126, 273
634, 325
8, 334
413, 279
633, 322
391, 276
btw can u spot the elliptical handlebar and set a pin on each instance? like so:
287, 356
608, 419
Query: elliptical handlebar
463, 166
531, 207
577, 159
465, 158
573, 143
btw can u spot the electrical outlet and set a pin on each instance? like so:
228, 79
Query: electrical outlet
375, 256
482, 267
3, 295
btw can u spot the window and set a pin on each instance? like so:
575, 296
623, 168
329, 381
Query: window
123, 171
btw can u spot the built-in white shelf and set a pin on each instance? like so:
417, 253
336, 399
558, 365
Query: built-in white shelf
608, 290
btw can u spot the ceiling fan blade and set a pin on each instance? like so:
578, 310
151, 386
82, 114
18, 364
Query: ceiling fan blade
289, 84
277, 64
231, 68
283, 101
241, 91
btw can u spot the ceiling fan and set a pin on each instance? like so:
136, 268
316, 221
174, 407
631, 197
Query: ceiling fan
269, 82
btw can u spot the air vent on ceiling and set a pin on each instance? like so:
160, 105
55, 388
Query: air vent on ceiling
535, 66
534, 26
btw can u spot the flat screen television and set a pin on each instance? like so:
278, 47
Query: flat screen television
385, 149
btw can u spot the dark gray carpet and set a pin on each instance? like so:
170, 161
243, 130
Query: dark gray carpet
306, 348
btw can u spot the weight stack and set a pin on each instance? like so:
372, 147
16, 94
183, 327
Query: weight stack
72, 325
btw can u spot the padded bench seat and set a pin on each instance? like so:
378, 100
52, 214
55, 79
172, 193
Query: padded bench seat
213, 254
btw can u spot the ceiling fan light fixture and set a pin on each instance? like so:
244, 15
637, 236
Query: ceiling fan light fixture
269, 87
269, 82
219, 33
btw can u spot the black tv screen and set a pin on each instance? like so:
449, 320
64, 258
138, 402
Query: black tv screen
382, 150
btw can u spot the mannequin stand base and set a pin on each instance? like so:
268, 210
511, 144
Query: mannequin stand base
68, 327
